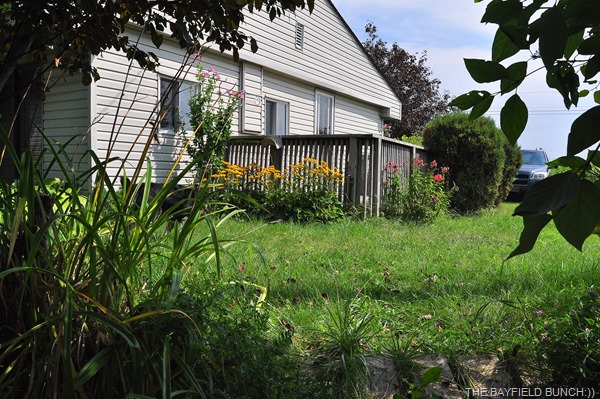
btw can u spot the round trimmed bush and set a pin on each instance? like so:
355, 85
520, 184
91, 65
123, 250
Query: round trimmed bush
474, 150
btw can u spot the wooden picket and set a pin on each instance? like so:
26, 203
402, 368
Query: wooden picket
361, 158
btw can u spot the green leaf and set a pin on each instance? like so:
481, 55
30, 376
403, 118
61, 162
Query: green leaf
469, 100
594, 157
481, 107
501, 12
591, 68
584, 93
513, 118
94, 365
573, 42
578, 219
553, 35
585, 131
485, 71
533, 225
565, 80
597, 97
516, 35
570, 162
517, 72
503, 47
432, 375
590, 46
157, 38
549, 195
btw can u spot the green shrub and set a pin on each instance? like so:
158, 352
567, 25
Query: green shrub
474, 152
512, 163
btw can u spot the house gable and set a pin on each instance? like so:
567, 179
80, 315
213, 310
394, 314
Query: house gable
330, 56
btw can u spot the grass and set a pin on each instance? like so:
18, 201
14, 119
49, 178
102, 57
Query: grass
444, 287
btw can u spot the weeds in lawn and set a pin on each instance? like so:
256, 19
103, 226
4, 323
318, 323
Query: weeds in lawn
339, 362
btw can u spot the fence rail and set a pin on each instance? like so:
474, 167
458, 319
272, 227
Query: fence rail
361, 158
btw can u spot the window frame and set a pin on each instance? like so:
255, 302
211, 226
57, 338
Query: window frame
176, 114
331, 116
286, 115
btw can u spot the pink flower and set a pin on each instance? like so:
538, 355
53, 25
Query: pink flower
433, 164
438, 178
445, 169
418, 162
435, 198
241, 94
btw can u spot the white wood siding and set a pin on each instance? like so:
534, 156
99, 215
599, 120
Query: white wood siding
252, 108
332, 59
126, 106
354, 117
66, 120
301, 97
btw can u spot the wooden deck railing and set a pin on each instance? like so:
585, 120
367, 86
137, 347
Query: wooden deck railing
361, 158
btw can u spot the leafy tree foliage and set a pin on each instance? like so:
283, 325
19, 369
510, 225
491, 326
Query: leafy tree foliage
562, 39
410, 78
65, 33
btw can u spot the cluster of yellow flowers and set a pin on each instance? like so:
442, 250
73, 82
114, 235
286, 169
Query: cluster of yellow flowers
311, 168
309, 173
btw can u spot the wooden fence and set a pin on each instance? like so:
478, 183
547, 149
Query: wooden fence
361, 158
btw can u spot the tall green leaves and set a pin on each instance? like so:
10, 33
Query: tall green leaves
564, 36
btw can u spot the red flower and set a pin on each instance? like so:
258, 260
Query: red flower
438, 178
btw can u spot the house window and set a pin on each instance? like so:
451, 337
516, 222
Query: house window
299, 39
276, 117
324, 114
174, 103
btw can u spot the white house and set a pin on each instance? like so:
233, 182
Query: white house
310, 76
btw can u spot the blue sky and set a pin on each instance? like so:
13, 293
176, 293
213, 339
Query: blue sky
450, 31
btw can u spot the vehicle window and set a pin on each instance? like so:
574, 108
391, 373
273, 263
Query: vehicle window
533, 158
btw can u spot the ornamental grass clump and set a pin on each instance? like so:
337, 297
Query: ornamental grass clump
306, 192
416, 193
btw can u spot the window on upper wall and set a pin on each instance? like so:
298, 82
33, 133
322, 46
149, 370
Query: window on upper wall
324, 114
299, 38
174, 103
276, 117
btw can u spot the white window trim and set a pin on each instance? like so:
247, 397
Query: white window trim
331, 113
184, 85
287, 115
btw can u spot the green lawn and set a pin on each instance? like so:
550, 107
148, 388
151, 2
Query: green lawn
443, 287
